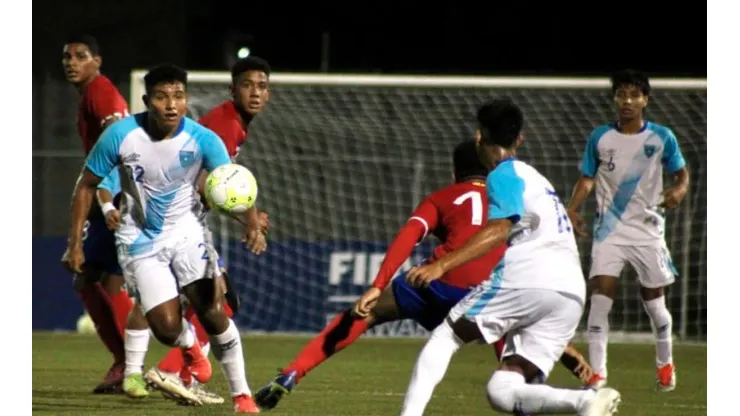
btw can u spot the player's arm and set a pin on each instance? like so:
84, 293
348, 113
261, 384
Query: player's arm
506, 207
585, 184
100, 162
110, 186
675, 164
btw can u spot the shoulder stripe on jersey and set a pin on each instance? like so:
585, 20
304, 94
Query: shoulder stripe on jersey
424, 223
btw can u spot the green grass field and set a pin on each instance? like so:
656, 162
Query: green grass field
369, 378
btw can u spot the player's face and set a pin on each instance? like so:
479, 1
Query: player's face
630, 102
251, 91
78, 63
167, 104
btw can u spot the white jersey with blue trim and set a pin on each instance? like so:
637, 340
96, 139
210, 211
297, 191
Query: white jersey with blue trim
628, 171
542, 252
157, 178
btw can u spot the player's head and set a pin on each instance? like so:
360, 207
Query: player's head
166, 95
499, 130
466, 163
250, 84
81, 59
631, 91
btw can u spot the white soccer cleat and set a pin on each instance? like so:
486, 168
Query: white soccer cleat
171, 387
204, 395
604, 403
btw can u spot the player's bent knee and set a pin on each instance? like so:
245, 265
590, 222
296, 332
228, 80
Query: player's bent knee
604, 285
165, 321
650, 293
500, 393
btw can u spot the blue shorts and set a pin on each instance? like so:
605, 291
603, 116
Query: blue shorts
427, 306
99, 246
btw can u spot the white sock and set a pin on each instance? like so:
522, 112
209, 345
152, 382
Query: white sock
136, 344
430, 368
227, 348
598, 332
206, 348
662, 323
508, 392
186, 339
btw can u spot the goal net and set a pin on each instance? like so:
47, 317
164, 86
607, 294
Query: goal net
342, 160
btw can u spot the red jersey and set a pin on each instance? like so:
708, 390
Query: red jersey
226, 122
453, 214
100, 102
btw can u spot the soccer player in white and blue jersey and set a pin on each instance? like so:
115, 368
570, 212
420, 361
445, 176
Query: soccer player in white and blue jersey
535, 295
625, 161
162, 242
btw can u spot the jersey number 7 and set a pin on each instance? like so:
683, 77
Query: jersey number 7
476, 217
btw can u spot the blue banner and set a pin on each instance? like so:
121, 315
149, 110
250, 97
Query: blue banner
296, 286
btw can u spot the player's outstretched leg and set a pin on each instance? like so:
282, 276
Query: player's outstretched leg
662, 322
598, 327
225, 339
340, 333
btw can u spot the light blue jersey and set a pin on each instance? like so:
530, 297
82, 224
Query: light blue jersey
542, 251
156, 179
628, 171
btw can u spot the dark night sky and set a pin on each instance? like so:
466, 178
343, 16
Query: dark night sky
526, 37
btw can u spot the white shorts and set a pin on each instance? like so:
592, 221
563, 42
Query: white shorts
182, 260
538, 323
652, 263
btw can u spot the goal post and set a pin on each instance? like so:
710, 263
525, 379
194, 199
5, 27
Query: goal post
342, 160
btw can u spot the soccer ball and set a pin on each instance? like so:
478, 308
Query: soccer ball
85, 325
231, 189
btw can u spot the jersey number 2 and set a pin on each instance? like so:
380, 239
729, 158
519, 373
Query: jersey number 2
476, 217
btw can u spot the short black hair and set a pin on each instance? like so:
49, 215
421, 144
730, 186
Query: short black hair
500, 122
630, 77
466, 163
88, 40
167, 73
250, 63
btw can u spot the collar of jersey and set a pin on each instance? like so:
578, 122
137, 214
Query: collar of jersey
645, 123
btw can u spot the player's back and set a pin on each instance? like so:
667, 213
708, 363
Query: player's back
157, 178
100, 102
225, 121
462, 209
542, 252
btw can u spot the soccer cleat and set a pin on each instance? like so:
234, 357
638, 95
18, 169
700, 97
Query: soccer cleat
205, 396
134, 386
269, 396
113, 381
171, 387
595, 382
198, 364
604, 403
245, 404
666, 378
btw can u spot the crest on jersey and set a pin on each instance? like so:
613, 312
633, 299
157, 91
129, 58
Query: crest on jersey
649, 150
187, 158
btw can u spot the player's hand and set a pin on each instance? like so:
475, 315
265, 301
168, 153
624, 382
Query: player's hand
579, 226
113, 219
673, 196
264, 221
73, 258
255, 240
423, 276
366, 302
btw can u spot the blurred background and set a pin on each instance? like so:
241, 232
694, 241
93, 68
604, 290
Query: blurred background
341, 167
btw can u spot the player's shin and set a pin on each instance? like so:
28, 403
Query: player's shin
508, 392
662, 323
430, 368
227, 348
136, 344
598, 332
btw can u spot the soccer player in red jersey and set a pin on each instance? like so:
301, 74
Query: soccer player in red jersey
453, 214
230, 120
100, 286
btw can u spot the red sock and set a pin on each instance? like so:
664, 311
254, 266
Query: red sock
341, 332
173, 361
498, 346
122, 305
98, 306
